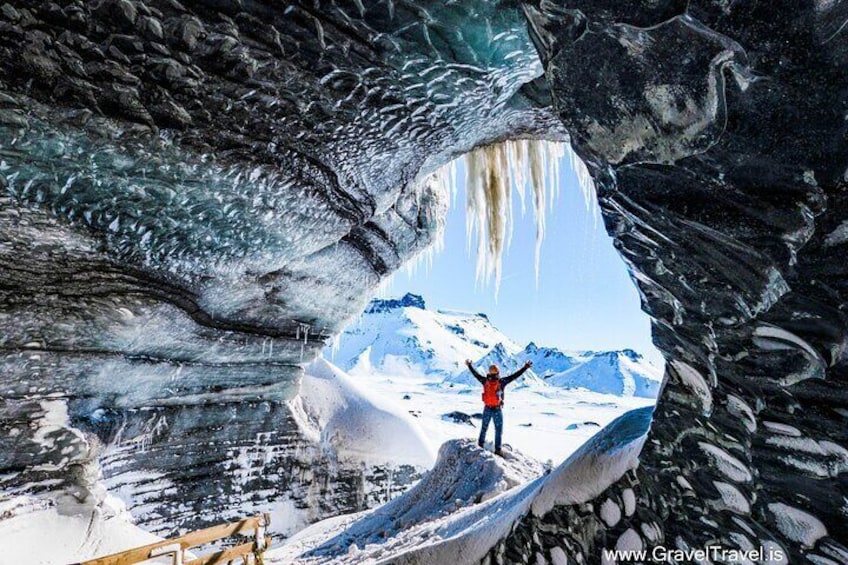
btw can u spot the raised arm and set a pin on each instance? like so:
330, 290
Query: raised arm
474, 372
518, 373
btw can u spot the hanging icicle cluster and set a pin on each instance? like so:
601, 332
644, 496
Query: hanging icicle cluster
491, 173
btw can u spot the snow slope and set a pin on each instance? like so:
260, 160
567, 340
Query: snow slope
621, 373
463, 475
413, 358
395, 336
507, 361
38, 532
433, 532
355, 425
379, 420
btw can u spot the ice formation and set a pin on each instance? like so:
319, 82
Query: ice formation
492, 173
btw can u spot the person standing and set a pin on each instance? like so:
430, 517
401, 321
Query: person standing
493, 400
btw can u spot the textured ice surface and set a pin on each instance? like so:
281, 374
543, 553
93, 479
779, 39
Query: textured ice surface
610, 512
797, 525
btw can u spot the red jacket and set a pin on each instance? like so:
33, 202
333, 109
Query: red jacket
493, 389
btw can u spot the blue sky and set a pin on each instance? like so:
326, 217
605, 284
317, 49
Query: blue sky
584, 300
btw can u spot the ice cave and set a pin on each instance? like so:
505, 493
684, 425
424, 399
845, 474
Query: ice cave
196, 196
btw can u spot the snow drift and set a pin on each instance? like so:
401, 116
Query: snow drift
40, 532
333, 410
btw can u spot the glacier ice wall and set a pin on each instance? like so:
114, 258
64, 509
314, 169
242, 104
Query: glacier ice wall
194, 197
715, 134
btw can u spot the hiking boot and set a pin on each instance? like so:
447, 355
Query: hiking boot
499, 453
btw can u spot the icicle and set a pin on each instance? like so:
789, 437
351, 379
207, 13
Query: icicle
488, 204
491, 173
303, 329
537, 165
518, 163
445, 178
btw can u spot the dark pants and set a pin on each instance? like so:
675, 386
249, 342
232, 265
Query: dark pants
495, 414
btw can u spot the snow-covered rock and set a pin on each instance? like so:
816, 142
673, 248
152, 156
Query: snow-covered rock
464, 475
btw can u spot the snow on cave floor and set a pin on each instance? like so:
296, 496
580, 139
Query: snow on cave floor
536, 418
463, 476
405, 405
466, 503
469, 498
37, 533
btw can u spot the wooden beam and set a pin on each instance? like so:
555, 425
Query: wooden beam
226, 555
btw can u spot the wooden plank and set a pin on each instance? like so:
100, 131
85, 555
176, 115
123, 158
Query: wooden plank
224, 555
192, 539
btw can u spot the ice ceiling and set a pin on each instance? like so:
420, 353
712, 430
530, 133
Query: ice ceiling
193, 196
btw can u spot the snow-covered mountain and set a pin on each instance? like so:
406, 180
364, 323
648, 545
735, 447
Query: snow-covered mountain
624, 373
507, 360
402, 336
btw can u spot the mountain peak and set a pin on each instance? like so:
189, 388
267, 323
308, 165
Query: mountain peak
615, 356
499, 348
408, 300
630, 354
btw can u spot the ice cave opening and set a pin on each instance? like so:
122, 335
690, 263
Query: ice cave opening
195, 195
392, 391
580, 324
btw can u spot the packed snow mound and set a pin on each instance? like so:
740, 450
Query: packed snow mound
598, 463
331, 408
430, 533
463, 475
